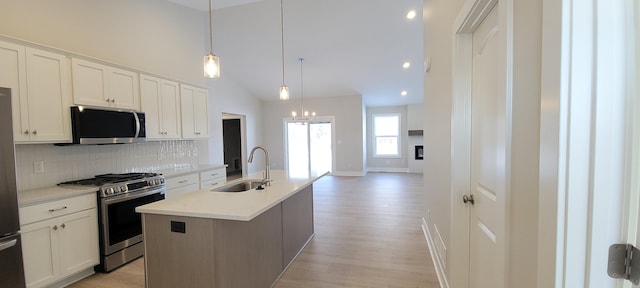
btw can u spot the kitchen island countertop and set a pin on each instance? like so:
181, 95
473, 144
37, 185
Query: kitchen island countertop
243, 206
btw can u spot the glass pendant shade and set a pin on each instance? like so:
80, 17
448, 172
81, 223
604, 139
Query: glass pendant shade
211, 66
284, 92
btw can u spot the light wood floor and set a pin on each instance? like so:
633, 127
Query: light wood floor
367, 235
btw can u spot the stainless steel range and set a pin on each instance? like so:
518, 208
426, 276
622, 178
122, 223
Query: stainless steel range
120, 226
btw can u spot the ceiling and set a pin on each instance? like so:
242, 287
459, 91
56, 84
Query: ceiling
350, 47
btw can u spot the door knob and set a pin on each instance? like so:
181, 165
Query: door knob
469, 199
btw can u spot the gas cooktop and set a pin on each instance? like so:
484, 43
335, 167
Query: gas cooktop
103, 179
118, 184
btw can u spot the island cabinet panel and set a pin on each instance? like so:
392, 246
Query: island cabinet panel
249, 253
297, 223
176, 259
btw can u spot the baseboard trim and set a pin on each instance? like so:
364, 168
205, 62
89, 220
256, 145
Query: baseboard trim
442, 276
349, 173
388, 170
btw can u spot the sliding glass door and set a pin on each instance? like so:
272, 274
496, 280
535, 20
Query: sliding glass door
309, 147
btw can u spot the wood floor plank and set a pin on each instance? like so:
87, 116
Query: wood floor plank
367, 235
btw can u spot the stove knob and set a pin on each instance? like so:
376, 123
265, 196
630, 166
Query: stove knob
123, 188
150, 182
116, 189
109, 190
161, 180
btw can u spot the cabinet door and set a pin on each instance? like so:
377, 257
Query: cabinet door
195, 112
170, 107
123, 89
13, 75
150, 89
78, 235
201, 113
89, 83
188, 117
40, 253
49, 96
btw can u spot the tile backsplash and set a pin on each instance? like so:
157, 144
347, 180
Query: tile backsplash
65, 163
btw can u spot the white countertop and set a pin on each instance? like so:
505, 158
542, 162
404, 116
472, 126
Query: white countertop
35, 196
242, 206
179, 171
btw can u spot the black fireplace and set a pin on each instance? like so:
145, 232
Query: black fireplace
419, 152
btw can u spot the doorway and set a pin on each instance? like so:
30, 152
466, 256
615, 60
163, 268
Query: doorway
234, 145
309, 147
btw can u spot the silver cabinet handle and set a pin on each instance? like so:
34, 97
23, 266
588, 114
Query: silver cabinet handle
183, 181
57, 209
214, 184
63, 226
108, 100
8, 244
55, 228
113, 100
35, 132
26, 132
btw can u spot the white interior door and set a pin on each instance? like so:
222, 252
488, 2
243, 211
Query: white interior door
488, 160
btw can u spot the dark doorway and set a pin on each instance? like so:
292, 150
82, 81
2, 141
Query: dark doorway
232, 138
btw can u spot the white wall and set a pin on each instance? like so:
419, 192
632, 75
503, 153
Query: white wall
438, 20
225, 96
349, 128
159, 37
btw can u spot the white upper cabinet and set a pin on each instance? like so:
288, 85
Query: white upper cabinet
40, 83
104, 86
195, 112
160, 101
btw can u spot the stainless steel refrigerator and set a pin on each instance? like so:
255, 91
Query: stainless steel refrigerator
11, 269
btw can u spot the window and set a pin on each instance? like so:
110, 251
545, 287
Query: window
386, 132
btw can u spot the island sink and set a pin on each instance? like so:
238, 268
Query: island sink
243, 186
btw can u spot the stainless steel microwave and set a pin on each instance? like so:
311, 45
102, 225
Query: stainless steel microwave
101, 126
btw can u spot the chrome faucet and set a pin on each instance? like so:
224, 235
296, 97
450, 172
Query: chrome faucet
267, 177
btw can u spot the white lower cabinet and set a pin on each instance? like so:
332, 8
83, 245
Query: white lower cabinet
213, 178
57, 248
180, 185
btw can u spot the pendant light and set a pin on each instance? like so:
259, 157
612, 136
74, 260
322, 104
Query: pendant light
211, 61
305, 117
284, 90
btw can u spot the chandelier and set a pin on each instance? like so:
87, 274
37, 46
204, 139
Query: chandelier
305, 116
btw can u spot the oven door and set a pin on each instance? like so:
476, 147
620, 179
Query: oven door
121, 226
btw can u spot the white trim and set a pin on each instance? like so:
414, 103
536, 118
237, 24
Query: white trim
388, 169
349, 173
435, 258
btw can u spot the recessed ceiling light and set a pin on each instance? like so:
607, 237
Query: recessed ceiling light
406, 65
411, 14
404, 93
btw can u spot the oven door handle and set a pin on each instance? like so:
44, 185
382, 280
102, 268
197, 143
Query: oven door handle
127, 197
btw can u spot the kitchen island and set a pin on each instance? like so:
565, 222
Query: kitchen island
228, 239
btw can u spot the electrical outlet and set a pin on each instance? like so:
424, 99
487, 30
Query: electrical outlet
38, 167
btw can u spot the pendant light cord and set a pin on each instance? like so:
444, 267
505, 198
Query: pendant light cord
302, 87
210, 28
282, 35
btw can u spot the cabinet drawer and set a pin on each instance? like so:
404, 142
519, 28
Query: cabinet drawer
39, 212
212, 182
179, 191
211, 174
175, 182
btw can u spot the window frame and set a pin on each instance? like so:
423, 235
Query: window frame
375, 136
